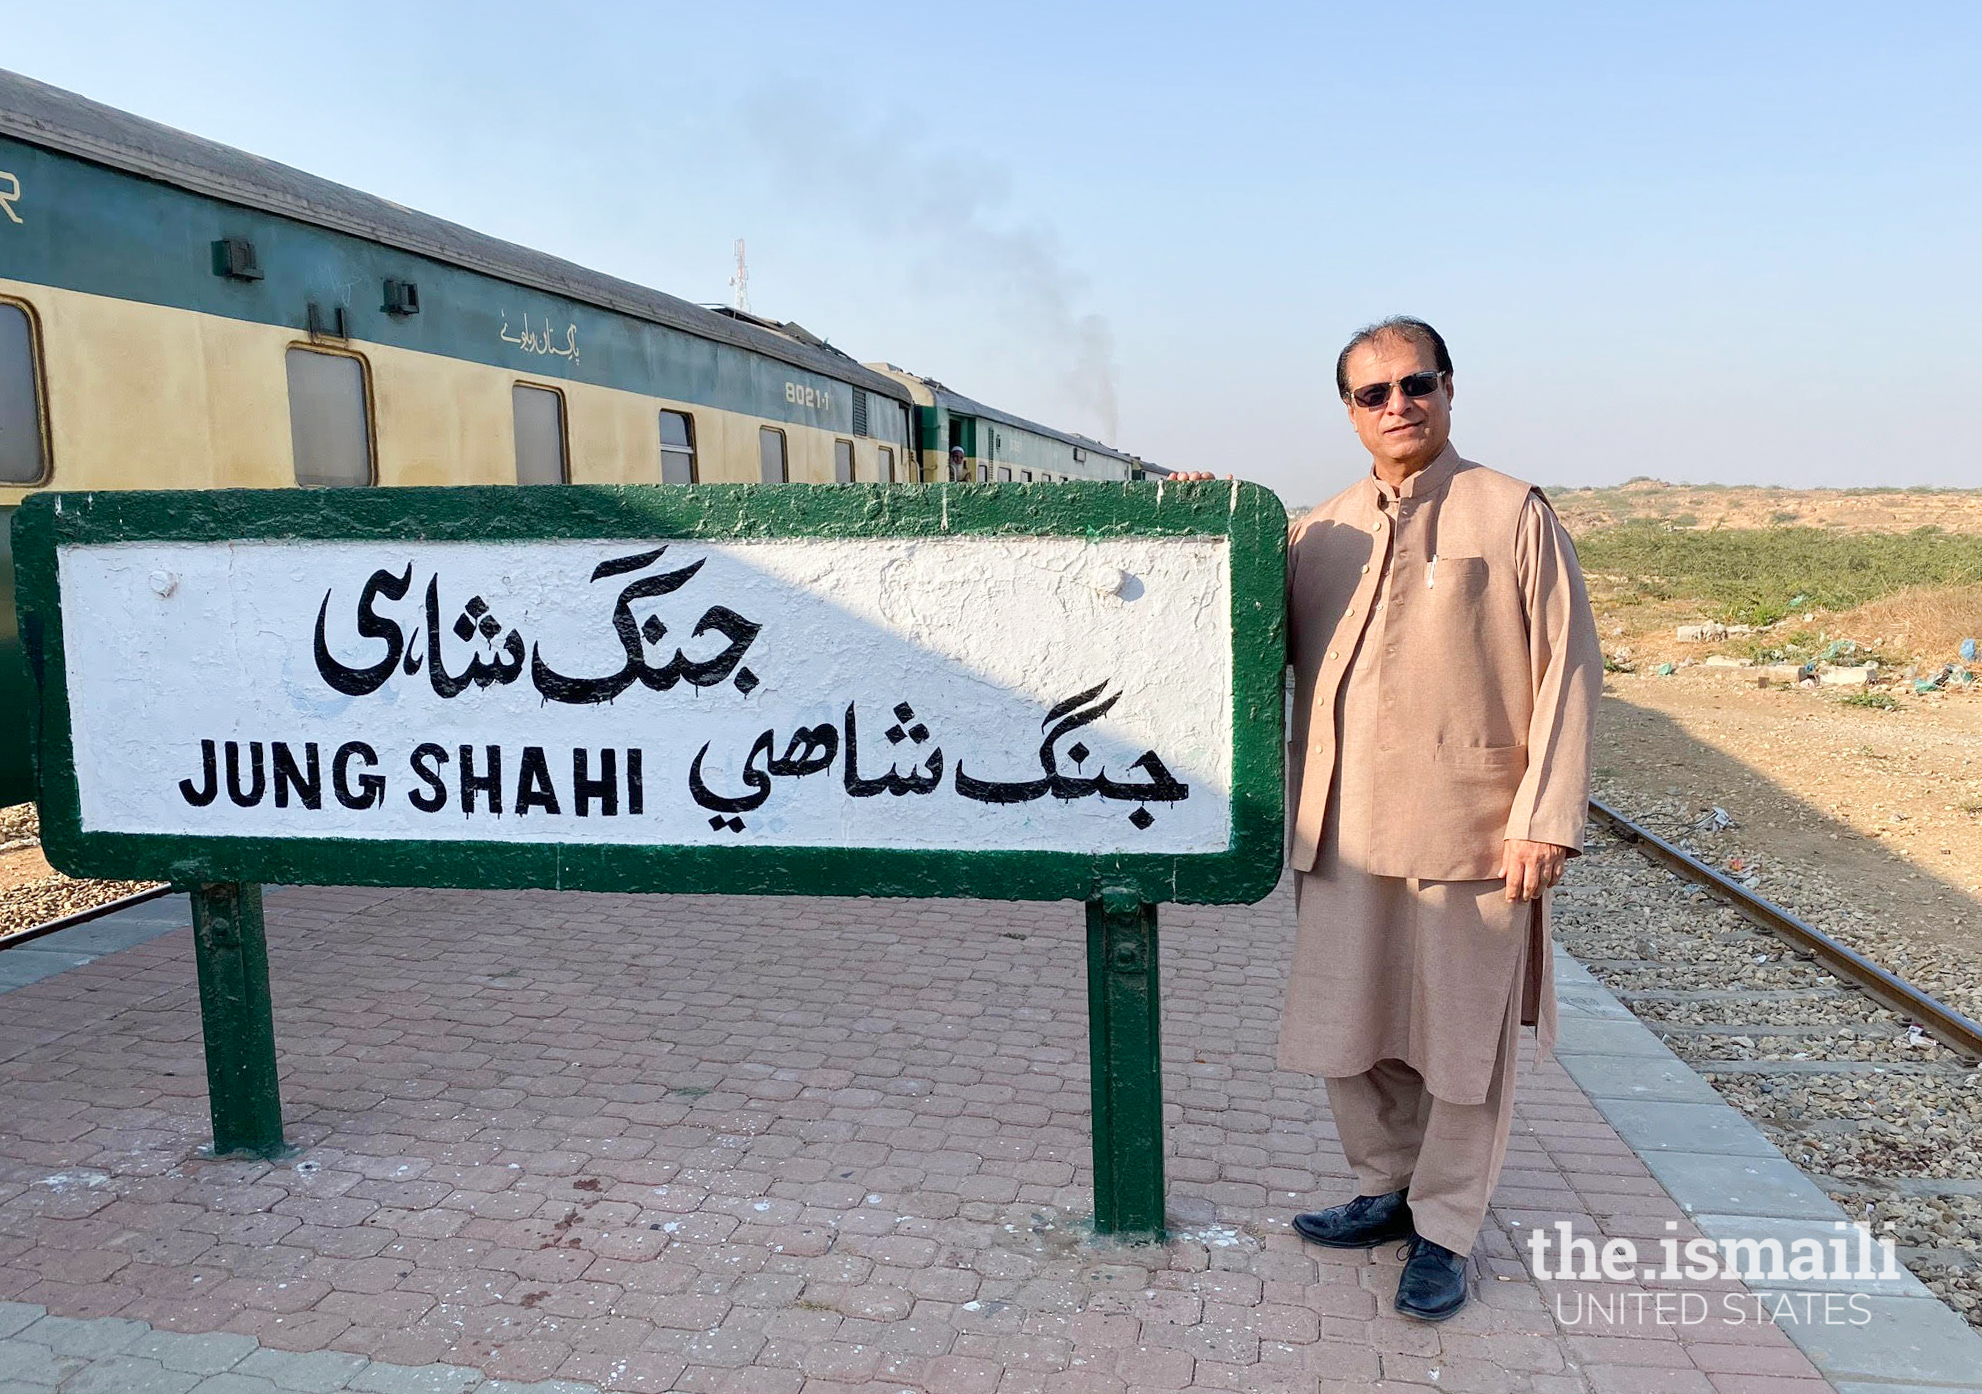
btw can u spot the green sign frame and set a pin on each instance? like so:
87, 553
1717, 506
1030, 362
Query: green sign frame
1250, 517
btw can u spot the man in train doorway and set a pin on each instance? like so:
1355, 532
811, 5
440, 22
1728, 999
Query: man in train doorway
959, 466
1447, 674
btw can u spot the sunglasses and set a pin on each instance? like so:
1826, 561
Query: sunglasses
1377, 394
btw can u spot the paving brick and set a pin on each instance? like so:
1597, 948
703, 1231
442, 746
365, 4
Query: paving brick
86, 1339
313, 1372
206, 1354
1783, 1360
124, 1374
232, 1382
644, 1372
1637, 1379
1768, 1384
425, 1379
26, 1364
16, 1316
766, 1147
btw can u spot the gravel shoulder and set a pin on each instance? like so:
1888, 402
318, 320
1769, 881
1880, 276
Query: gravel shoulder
31, 891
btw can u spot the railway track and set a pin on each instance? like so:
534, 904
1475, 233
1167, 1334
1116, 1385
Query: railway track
1931, 1015
1864, 1080
14, 938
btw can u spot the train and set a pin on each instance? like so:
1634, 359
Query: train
176, 313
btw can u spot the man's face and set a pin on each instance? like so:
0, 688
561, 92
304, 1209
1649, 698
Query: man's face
1406, 432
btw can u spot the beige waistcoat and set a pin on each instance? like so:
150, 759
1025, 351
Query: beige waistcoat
1488, 671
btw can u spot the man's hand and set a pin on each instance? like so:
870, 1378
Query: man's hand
1530, 867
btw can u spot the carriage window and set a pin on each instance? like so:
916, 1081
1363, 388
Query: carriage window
328, 424
1025, 476
843, 462
22, 460
677, 448
539, 436
1004, 474
771, 455
887, 462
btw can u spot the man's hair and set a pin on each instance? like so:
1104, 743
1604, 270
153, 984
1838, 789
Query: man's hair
1404, 327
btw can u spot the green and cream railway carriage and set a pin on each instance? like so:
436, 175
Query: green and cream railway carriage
999, 447
178, 314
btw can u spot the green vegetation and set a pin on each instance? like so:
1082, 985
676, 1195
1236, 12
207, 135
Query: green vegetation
1758, 576
1877, 701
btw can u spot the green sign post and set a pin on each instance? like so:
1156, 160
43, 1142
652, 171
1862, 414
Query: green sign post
1005, 692
237, 1019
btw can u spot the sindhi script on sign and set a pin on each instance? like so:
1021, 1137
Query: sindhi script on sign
967, 693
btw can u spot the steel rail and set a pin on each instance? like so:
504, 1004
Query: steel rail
123, 902
1936, 1018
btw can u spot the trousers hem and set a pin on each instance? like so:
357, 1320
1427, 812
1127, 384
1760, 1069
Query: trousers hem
1453, 1233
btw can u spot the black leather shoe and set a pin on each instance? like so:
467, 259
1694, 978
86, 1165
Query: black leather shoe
1364, 1221
1433, 1284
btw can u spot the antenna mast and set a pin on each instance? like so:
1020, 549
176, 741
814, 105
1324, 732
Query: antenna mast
741, 280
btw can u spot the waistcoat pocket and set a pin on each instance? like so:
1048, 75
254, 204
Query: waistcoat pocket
1484, 757
1462, 576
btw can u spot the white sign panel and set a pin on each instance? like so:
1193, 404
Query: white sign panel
966, 693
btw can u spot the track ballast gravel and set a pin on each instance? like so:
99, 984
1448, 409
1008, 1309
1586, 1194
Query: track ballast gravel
1892, 1133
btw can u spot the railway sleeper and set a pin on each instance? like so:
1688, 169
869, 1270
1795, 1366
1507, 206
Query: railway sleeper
1734, 994
1950, 1069
1859, 1029
1817, 1127
1737, 1022
1918, 1186
1946, 1260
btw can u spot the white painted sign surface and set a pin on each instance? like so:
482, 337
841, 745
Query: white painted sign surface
967, 693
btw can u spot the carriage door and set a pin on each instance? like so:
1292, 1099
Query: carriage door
963, 432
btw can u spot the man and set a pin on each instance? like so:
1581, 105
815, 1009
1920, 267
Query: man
959, 466
1447, 674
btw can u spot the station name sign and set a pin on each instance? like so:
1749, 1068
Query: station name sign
847, 690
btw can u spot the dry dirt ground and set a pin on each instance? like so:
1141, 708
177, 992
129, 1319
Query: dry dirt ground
1868, 823
1740, 506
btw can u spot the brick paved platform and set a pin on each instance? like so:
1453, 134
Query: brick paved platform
741, 1145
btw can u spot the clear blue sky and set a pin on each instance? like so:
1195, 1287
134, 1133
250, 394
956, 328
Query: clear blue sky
1716, 242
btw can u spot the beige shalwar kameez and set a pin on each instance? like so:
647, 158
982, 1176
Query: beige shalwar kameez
1447, 673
